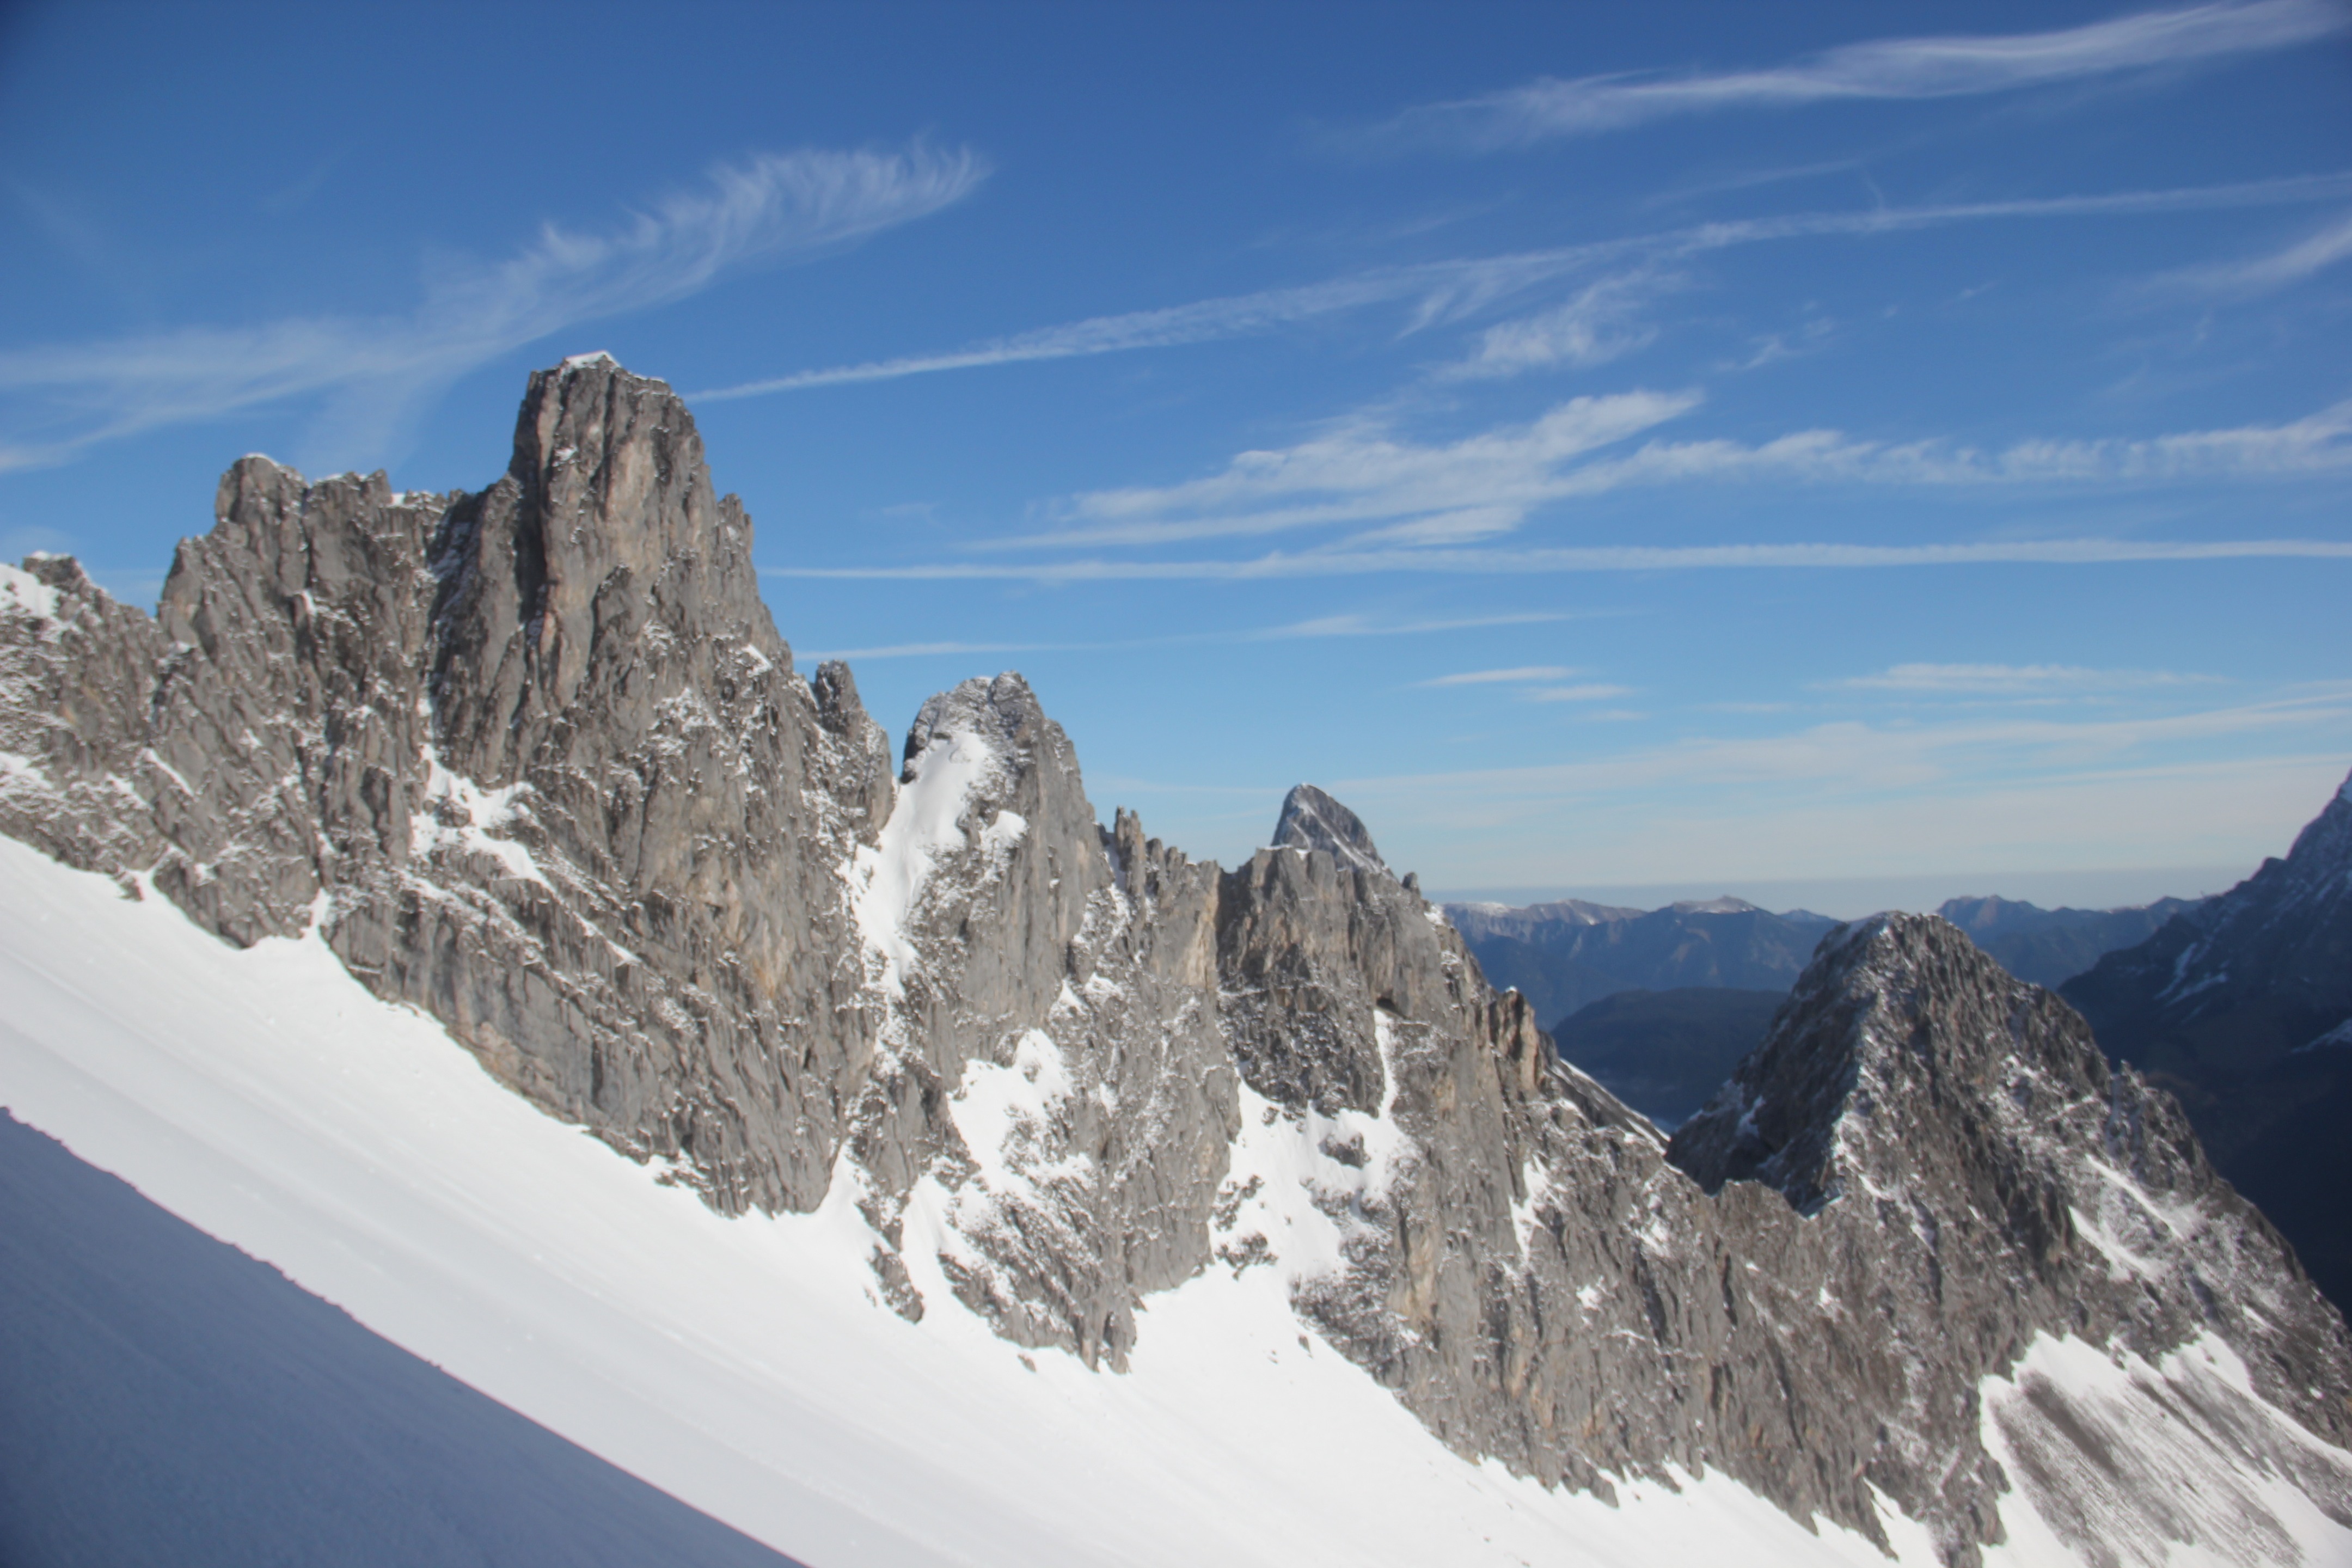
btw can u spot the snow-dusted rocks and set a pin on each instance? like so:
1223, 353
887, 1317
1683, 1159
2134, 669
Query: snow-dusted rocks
1970, 1175
1045, 1122
338, 677
2243, 1007
1311, 819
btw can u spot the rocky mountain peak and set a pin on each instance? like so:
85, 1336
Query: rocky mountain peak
1311, 819
615, 468
602, 566
1901, 1031
2326, 841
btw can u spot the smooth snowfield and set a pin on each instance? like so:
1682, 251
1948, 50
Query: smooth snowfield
744, 1365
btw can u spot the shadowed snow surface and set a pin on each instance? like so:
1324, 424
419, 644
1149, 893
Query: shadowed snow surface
165, 1398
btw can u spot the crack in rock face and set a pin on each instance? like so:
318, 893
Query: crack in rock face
535, 760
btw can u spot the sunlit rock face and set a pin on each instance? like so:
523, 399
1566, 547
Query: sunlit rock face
535, 760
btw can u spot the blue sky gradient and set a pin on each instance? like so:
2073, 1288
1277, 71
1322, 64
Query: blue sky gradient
1847, 455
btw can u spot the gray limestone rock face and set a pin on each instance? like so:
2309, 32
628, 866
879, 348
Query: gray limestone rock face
1311, 819
536, 757
1925, 1171
1049, 1048
2241, 1007
668, 958
1970, 1174
77, 671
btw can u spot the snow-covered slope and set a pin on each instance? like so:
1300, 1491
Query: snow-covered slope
743, 1365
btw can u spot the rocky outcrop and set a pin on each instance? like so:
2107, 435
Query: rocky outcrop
1048, 1073
1311, 819
1972, 1174
2241, 1007
535, 760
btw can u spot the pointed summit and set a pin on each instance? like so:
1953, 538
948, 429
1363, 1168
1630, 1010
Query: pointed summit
1312, 820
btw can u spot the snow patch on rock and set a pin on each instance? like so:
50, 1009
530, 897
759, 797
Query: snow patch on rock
23, 594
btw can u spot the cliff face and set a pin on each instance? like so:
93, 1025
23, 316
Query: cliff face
535, 760
2241, 1007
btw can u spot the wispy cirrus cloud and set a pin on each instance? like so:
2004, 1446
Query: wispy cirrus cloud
2013, 679
1394, 491
1830, 557
1362, 472
1599, 323
1350, 625
1894, 69
1440, 293
1524, 673
1173, 326
1888, 755
2283, 269
1591, 691
63, 399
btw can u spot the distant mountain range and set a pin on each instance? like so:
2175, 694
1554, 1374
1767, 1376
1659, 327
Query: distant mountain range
2050, 947
1659, 1005
1664, 1052
1563, 956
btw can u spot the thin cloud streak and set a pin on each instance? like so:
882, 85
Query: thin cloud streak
1591, 693
1451, 291
1897, 68
770, 208
2025, 679
1591, 329
1486, 484
1869, 756
1493, 676
1481, 484
2267, 274
1601, 558
1340, 625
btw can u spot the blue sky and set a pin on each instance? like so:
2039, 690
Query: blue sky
1846, 454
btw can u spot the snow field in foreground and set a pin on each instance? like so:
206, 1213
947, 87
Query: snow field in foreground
746, 1365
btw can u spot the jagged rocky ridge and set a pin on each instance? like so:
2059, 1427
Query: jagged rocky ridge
2242, 1006
535, 760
